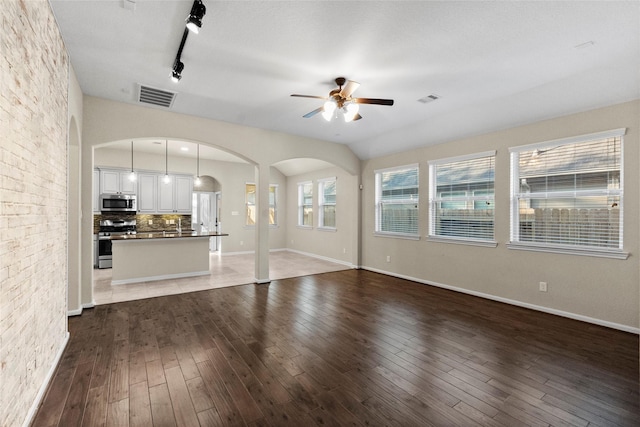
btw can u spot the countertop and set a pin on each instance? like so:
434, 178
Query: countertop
165, 235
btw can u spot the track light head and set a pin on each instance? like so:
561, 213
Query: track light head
194, 20
176, 74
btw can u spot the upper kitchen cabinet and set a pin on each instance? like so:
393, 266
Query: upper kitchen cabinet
113, 181
176, 196
147, 192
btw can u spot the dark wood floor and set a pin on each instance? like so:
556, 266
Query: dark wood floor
346, 348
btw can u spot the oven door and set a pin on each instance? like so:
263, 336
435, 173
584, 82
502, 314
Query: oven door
104, 252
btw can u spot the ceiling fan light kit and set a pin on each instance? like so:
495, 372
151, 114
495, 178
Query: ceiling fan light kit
340, 101
194, 23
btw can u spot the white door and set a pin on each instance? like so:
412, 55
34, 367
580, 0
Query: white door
204, 216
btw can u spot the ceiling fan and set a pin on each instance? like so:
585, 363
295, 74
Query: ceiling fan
340, 101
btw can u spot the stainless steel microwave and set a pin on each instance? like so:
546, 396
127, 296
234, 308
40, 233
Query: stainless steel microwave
118, 203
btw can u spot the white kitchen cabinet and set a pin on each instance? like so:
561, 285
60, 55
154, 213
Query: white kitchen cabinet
147, 192
175, 197
96, 191
115, 181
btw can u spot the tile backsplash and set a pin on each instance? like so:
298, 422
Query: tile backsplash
159, 222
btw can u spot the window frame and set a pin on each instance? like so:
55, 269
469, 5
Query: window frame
273, 206
468, 199
302, 206
515, 194
378, 203
322, 202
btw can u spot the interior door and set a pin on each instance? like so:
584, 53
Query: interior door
204, 216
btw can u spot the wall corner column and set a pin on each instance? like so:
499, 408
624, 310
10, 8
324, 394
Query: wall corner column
262, 224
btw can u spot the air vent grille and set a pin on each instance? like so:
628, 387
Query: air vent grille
429, 98
155, 96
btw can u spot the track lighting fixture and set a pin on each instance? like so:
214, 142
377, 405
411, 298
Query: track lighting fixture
194, 20
194, 23
176, 74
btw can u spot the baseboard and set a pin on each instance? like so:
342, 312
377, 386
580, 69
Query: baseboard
261, 282
76, 312
45, 385
324, 258
162, 277
554, 311
237, 253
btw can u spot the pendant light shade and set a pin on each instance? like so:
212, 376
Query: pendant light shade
198, 181
166, 178
132, 175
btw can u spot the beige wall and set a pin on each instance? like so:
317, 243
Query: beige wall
597, 289
339, 245
33, 205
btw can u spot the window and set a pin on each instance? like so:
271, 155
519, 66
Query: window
461, 199
397, 201
567, 195
305, 204
250, 200
327, 203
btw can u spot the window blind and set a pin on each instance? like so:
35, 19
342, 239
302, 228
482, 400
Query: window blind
569, 194
397, 200
461, 197
327, 203
305, 204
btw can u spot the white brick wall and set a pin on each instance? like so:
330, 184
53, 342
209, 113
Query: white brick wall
33, 193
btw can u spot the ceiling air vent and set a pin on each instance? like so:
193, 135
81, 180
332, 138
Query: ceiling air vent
429, 98
154, 96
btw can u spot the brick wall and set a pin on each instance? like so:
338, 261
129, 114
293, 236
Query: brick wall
33, 203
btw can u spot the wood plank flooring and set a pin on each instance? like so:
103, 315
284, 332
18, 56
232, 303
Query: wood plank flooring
351, 348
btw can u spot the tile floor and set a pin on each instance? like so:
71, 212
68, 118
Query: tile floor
227, 270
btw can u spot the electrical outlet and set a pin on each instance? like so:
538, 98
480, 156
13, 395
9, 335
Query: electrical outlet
241, 243
150, 222
388, 258
543, 286
344, 250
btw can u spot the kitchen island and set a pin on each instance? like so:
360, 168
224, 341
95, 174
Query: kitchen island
145, 257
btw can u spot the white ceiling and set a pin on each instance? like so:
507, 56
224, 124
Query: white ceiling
494, 65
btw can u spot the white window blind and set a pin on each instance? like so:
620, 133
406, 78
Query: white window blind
305, 204
397, 201
461, 197
327, 203
250, 201
569, 193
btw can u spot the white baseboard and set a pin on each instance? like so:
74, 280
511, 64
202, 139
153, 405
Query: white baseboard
262, 282
43, 388
237, 253
162, 277
324, 258
566, 314
78, 311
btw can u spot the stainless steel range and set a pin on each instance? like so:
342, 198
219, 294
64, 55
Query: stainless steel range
107, 229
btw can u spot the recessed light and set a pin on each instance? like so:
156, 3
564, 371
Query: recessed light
184, 148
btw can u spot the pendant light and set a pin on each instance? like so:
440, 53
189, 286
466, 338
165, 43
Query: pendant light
198, 181
166, 178
132, 175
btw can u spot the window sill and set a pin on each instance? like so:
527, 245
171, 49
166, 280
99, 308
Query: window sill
462, 241
305, 227
569, 250
397, 235
329, 229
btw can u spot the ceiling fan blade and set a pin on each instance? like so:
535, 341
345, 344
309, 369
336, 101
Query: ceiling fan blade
356, 117
349, 88
309, 96
373, 101
314, 112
